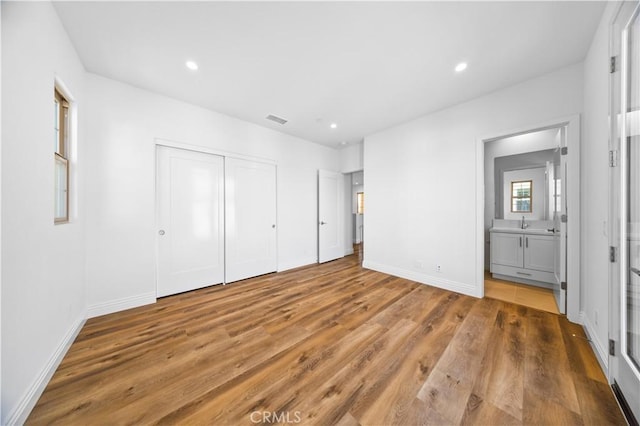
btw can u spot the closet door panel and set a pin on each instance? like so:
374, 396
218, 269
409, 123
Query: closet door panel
250, 219
190, 234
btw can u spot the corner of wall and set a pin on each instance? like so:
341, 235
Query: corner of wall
24, 406
597, 346
121, 304
455, 286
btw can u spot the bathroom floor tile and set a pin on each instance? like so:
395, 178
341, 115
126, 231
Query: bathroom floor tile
500, 291
522, 294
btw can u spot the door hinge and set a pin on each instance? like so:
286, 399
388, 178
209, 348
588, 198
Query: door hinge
612, 254
613, 158
564, 150
612, 65
612, 347
564, 218
563, 285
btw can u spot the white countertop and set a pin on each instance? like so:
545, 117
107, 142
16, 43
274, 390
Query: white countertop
527, 231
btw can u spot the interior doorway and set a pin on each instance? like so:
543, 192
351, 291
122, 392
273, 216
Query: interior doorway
355, 202
526, 200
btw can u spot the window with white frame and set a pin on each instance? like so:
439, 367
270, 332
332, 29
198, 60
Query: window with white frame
61, 120
521, 196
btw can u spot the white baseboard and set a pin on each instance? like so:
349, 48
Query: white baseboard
458, 287
121, 304
19, 414
292, 264
596, 344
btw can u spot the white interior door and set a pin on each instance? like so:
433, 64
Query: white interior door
190, 239
330, 216
250, 219
625, 276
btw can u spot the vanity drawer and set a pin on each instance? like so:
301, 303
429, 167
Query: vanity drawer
522, 273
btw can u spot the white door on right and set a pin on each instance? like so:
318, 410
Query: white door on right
330, 216
625, 282
250, 219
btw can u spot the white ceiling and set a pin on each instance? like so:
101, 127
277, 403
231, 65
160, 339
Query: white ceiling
363, 65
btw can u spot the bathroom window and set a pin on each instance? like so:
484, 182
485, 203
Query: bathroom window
61, 157
521, 196
360, 207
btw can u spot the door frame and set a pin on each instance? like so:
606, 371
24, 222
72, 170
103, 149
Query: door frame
572, 123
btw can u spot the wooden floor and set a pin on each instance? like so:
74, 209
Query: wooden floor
328, 344
521, 294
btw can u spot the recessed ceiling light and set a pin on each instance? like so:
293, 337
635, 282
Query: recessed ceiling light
333, 125
191, 65
461, 67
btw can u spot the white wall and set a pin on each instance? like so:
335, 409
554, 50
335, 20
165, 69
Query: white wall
417, 171
538, 192
123, 122
0, 220
351, 158
595, 188
43, 282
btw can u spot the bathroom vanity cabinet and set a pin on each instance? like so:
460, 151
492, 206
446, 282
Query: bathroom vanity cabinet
524, 255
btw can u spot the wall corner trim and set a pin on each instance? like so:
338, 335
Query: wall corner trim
598, 347
455, 286
22, 410
121, 304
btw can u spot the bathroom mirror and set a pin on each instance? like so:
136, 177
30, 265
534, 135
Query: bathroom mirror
525, 185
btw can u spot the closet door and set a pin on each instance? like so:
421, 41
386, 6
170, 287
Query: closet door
250, 225
190, 203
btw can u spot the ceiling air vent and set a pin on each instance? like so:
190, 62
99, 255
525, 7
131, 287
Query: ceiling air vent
276, 119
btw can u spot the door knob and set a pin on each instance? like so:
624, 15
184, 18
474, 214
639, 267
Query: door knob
161, 232
323, 223
273, 226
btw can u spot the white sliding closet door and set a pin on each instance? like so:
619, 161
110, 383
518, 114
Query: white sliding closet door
190, 234
250, 219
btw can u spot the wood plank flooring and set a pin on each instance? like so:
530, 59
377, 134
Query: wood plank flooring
328, 344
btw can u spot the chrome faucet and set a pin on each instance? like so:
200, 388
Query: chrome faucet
523, 225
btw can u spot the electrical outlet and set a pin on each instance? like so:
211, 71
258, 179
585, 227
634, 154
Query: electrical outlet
438, 268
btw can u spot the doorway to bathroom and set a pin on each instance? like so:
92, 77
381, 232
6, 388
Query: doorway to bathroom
525, 216
354, 212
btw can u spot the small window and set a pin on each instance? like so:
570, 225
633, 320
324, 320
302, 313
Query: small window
360, 207
521, 196
60, 157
